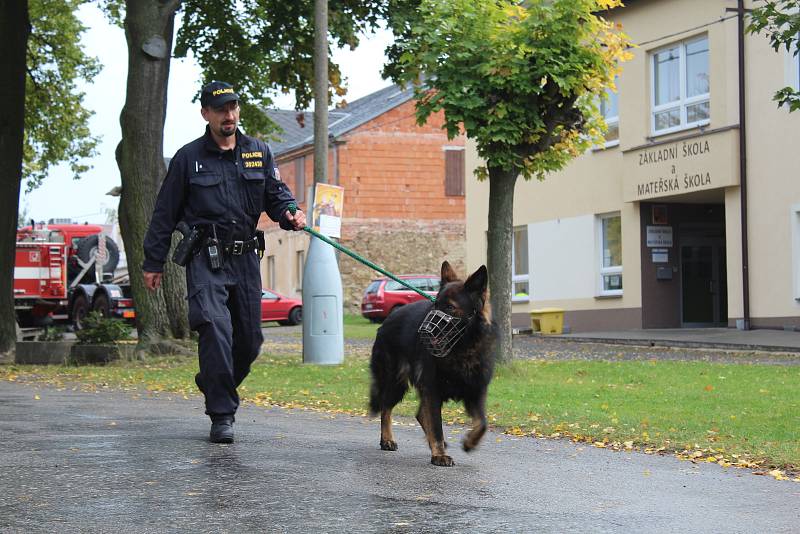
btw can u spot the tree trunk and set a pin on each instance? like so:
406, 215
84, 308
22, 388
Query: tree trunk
140, 156
14, 24
500, 235
174, 288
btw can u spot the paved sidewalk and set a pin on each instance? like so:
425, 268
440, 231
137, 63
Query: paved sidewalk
73, 461
720, 338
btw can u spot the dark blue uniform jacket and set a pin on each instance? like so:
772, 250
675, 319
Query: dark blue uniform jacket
206, 185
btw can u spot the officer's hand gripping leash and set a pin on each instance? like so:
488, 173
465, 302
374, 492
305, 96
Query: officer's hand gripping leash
439, 332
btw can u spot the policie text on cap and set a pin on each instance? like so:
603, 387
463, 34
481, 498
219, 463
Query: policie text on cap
215, 94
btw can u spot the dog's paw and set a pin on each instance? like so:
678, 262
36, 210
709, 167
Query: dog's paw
442, 461
469, 445
388, 445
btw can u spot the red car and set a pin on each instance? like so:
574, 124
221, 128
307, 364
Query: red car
277, 307
384, 295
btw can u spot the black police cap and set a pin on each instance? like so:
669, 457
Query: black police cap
215, 94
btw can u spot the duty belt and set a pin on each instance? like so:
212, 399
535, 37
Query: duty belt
237, 248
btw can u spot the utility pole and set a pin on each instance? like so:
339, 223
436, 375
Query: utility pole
320, 91
740, 29
323, 324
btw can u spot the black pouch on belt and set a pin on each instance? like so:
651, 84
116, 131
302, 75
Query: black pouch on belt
262, 244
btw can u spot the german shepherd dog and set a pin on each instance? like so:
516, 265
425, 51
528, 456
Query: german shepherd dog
400, 357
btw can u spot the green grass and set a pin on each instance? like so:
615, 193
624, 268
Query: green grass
358, 327
355, 327
732, 414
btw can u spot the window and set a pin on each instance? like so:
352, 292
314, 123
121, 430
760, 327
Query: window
520, 287
681, 86
300, 261
610, 245
795, 218
300, 179
609, 107
794, 64
271, 271
454, 171
797, 64
373, 287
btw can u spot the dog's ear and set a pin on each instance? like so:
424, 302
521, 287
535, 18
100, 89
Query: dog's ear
477, 281
448, 274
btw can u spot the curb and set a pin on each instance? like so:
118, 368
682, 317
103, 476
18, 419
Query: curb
670, 343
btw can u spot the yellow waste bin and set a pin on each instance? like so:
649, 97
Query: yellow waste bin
547, 320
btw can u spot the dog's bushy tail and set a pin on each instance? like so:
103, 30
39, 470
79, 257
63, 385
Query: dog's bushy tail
374, 399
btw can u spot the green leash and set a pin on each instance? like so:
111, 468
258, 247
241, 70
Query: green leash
293, 209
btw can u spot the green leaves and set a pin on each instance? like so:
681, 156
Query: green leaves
514, 75
780, 21
263, 46
56, 122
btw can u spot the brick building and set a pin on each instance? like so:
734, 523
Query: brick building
403, 191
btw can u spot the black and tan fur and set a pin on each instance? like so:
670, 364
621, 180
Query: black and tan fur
400, 359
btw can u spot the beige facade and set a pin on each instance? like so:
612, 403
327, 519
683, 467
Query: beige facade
673, 179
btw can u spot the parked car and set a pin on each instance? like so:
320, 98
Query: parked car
277, 307
384, 295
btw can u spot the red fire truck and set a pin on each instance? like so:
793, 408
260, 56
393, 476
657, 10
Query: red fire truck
56, 278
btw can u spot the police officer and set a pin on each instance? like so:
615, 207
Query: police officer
218, 185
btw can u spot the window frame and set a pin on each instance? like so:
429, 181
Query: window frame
299, 189
683, 102
300, 261
614, 269
517, 278
610, 120
795, 223
454, 168
795, 64
271, 272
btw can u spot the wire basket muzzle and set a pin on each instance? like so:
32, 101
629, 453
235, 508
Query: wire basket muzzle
439, 332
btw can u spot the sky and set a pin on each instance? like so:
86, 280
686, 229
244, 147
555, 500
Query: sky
85, 200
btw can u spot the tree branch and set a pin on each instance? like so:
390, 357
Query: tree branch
171, 6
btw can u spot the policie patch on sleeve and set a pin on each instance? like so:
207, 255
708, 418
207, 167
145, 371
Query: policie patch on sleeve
277, 173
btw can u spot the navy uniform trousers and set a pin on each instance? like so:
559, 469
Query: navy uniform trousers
225, 310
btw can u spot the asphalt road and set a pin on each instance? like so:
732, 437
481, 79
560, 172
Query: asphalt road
120, 462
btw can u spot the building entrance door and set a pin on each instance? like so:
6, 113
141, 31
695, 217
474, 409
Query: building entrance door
704, 284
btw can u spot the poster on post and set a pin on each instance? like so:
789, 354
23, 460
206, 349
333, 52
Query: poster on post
327, 212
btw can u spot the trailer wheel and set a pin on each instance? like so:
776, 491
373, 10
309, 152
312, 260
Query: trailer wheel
80, 307
87, 249
102, 305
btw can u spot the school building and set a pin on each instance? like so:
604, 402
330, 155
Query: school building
689, 215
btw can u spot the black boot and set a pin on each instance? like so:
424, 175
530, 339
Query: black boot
221, 429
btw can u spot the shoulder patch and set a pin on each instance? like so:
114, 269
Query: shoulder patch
277, 173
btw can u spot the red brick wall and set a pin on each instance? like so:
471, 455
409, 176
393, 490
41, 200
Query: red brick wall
390, 169
396, 212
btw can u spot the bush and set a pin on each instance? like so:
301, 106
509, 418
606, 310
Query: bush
52, 333
99, 329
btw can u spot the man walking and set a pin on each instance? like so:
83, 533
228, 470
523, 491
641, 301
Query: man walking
218, 185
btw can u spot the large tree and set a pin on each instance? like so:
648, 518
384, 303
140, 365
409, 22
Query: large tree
780, 21
42, 120
522, 79
15, 26
261, 46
